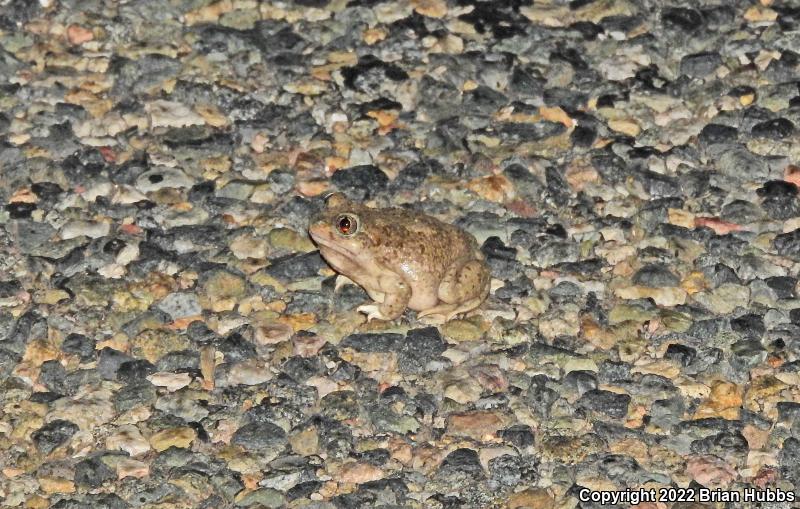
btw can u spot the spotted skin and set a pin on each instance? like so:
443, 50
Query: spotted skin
402, 259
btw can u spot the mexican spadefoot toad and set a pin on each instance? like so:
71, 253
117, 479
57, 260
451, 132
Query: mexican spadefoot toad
402, 258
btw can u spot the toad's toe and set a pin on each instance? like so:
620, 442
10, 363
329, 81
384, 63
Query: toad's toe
372, 311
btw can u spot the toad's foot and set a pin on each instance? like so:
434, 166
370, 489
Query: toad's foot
432, 319
341, 281
372, 311
449, 311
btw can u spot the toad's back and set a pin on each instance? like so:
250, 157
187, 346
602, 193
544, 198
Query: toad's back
416, 242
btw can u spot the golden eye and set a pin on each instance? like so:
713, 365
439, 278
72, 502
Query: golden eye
347, 224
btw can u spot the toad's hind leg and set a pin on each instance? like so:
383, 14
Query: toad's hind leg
463, 288
460, 284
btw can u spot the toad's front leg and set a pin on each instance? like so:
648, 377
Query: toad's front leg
396, 294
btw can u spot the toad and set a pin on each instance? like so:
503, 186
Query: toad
402, 259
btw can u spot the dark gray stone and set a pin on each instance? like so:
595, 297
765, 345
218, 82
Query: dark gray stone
718, 133
200, 334
508, 471
420, 347
462, 461
682, 354
655, 275
133, 395
580, 381
746, 354
665, 413
700, 65
53, 434
236, 348
776, 129
80, 345
540, 397
260, 436
93, 472
296, 266
788, 244
519, 435
53, 375
180, 361
109, 361
135, 370
360, 182
610, 403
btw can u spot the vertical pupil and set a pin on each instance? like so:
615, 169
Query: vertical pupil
344, 225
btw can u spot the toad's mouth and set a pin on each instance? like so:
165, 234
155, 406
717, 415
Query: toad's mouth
325, 241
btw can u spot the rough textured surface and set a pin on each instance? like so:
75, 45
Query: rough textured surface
170, 338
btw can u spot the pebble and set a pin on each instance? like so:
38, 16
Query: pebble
53, 434
110, 361
478, 425
263, 497
463, 391
180, 437
305, 442
724, 401
152, 345
78, 34
80, 345
710, 471
93, 230
260, 436
462, 330
290, 240
778, 129
170, 381
128, 438
180, 305
359, 473
163, 113
419, 349
164, 314
360, 181
187, 405
700, 64
88, 409
461, 461
132, 468
655, 275
245, 246
248, 372
163, 177
272, 333
609, 403
93, 472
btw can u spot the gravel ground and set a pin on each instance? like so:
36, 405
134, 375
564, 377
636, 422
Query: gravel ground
170, 337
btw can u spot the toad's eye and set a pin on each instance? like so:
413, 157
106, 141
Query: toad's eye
347, 224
